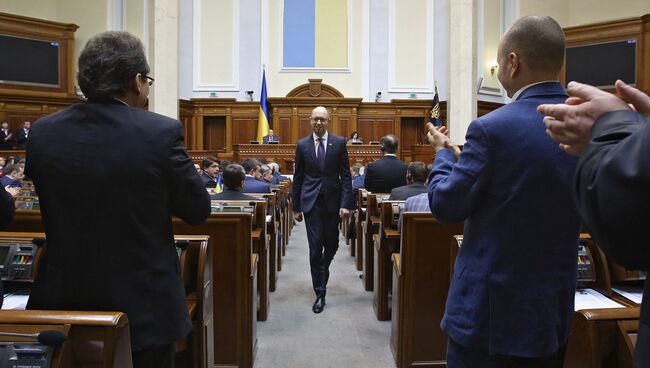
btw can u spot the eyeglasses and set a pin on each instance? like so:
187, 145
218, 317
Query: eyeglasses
148, 78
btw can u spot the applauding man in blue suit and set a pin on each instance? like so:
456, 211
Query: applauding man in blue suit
322, 190
512, 295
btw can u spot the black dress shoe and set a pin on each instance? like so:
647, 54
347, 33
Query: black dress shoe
319, 304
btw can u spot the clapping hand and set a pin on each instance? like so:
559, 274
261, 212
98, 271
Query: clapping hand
438, 139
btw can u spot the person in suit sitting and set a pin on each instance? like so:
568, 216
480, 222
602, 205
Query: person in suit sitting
357, 177
210, 172
22, 135
416, 176
233, 182
252, 184
322, 191
611, 185
110, 176
271, 137
266, 174
277, 177
511, 298
354, 139
388, 172
14, 176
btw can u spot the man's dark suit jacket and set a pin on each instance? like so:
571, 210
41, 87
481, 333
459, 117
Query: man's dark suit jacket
266, 139
613, 195
21, 138
277, 178
208, 182
334, 182
252, 185
4, 143
232, 194
515, 276
405, 191
7, 212
109, 178
385, 174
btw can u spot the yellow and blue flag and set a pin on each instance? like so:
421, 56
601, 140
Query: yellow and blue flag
263, 118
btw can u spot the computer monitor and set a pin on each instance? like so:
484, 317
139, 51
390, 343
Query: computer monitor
374, 142
357, 142
274, 142
254, 142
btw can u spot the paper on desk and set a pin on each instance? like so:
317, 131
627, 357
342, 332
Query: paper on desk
591, 299
633, 293
16, 301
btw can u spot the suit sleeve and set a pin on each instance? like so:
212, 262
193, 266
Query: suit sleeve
189, 199
369, 177
7, 208
612, 187
298, 178
455, 186
346, 179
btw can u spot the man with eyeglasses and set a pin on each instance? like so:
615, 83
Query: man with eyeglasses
322, 191
110, 244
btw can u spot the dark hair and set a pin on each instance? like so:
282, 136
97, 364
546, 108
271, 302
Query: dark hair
208, 161
224, 163
418, 171
250, 164
389, 143
538, 40
12, 169
353, 133
108, 63
233, 175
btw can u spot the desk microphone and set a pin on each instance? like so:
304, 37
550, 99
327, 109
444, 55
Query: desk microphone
46, 337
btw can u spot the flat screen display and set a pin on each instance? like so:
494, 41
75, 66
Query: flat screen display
602, 64
28, 61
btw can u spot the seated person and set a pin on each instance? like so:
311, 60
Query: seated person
271, 137
252, 183
416, 176
14, 176
233, 182
354, 138
357, 176
277, 177
266, 174
210, 166
388, 172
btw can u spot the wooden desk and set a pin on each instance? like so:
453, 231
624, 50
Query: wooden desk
360, 218
388, 242
370, 228
420, 285
423, 152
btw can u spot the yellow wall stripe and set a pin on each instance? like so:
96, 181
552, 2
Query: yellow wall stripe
331, 34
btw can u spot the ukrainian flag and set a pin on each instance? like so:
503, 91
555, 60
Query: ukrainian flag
219, 187
263, 119
315, 34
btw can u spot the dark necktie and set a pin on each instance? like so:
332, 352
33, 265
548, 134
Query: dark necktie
321, 154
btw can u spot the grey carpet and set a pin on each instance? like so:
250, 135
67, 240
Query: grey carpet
346, 334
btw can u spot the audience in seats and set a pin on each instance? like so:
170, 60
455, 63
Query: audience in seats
417, 203
233, 182
416, 176
14, 176
108, 217
511, 299
6, 142
266, 174
277, 177
22, 135
388, 172
357, 176
252, 184
210, 174
612, 182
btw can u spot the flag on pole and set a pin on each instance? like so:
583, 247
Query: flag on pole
435, 110
263, 119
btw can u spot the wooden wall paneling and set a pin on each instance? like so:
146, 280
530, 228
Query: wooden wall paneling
214, 133
284, 126
304, 127
366, 130
383, 127
411, 131
343, 128
244, 130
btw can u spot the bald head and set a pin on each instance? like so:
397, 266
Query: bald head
319, 120
538, 41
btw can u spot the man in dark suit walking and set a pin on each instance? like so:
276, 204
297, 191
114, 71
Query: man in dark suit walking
322, 191
110, 243
388, 172
511, 299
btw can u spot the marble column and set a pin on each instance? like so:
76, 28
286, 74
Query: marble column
163, 56
463, 31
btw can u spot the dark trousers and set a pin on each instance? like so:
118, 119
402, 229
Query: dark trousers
157, 357
459, 356
323, 237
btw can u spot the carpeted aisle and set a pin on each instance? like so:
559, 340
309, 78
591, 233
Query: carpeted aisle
345, 335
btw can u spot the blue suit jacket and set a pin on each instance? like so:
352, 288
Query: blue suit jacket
252, 185
515, 275
334, 182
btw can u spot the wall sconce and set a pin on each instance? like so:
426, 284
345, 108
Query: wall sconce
250, 95
494, 68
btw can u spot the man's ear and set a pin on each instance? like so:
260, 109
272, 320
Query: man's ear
136, 84
513, 64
